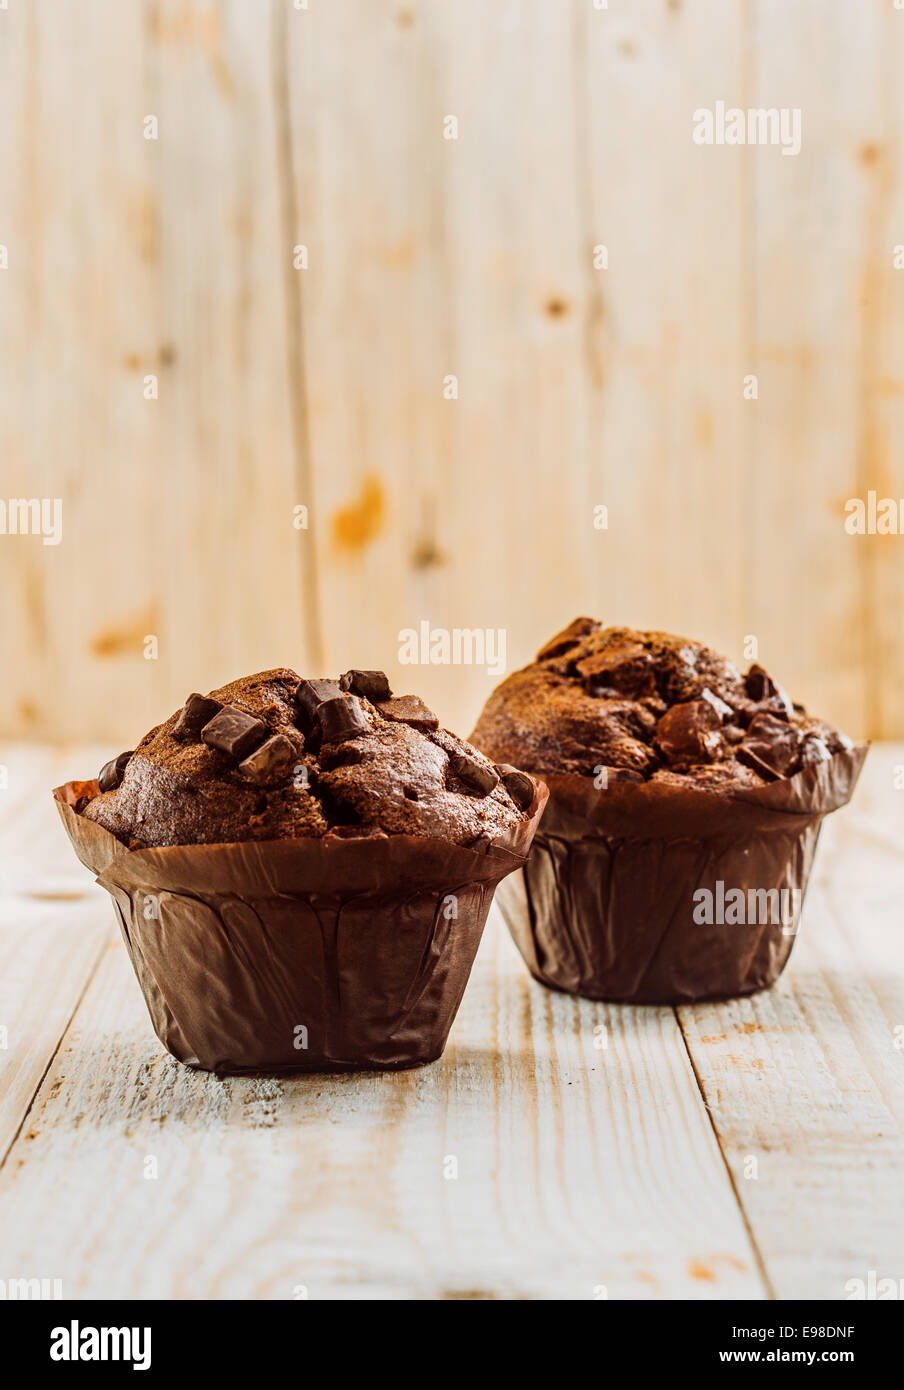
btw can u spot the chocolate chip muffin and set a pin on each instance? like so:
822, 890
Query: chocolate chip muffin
647, 706
302, 870
272, 756
674, 779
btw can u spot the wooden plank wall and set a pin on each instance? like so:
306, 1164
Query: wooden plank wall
428, 258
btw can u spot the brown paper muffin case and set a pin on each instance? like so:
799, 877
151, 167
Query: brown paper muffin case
612, 875
300, 955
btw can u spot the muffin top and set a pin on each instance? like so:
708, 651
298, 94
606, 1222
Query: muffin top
649, 707
272, 756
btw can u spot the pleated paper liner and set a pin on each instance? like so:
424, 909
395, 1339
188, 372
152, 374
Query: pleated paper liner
612, 878
304, 954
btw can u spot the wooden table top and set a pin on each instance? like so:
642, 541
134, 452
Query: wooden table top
750, 1149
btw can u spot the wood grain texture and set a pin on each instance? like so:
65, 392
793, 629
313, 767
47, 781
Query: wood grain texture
79, 328
473, 257
627, 1168
569, 1161
807, 1079
882, 383
51, 929
579, 1168
666, 347
231, 469
815, 346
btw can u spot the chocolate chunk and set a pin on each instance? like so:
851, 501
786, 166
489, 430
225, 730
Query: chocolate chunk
234, 732
732, 733
758, 683
814, 751
773, 742
519, 786
566, 639
690, 733
373, 685
772, 697
626, 667
409, 709
112, 773
80, 805
477, 776
750, 759
269, 763
309, 696
747, 710
775, 729
723, 710
342, 718
197, 711
778, 705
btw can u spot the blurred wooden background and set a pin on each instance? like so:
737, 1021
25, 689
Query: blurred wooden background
429, 257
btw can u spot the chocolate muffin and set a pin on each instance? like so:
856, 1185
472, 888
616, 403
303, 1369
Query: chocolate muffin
302, 870
270, 756
671, 776
650, 706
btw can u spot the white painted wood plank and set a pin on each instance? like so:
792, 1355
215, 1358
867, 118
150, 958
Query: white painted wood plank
611, 1145
516, 509
817, 314
79, 329
366, 91
323, 387
564, 1182
807, 1079
577, 386
882, 458
52, 925
577, 1167
666, 325
231, 561
132, 258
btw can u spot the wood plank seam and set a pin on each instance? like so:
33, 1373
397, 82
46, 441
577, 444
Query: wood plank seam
64, 1029
295, 366
754, 1244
